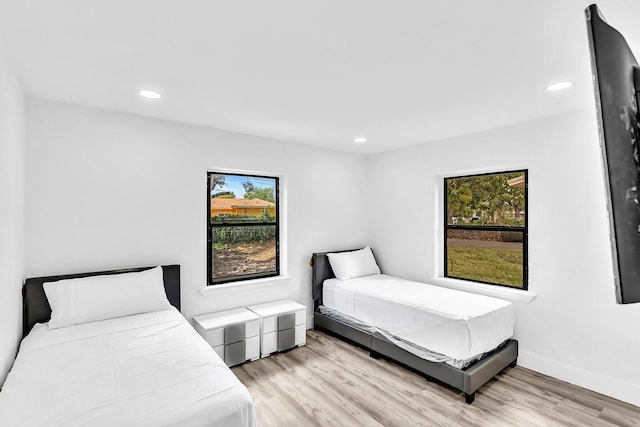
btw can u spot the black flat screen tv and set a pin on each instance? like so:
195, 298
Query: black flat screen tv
616, 78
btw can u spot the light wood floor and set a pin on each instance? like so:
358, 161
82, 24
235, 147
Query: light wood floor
329, 382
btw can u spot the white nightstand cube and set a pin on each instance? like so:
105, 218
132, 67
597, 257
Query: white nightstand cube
233, 334
284, 325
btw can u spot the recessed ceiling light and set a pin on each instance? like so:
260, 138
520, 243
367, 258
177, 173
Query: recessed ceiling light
360, 139
559, 86
151, 94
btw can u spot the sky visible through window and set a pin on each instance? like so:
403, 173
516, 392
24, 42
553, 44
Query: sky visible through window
233, 183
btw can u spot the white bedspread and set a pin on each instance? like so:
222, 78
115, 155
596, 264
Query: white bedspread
150, 369
456, 324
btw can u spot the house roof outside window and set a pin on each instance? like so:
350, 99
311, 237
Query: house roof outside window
217, 203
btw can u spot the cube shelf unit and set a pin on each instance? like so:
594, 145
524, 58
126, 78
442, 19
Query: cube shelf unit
283, 325
233, 334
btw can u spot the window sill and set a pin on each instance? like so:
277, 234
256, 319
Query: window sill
244, 285
489, 290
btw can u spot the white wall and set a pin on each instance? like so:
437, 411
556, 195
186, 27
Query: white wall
12, 210
110, 190
573, 330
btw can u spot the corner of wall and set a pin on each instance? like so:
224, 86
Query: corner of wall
12, 213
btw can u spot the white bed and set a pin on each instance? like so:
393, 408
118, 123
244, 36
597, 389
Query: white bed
148, 369
110, 348
458, 338
456, 324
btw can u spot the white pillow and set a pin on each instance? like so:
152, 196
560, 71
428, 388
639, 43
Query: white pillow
348, 265
89, 299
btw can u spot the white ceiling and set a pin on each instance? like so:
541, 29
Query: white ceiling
321, 73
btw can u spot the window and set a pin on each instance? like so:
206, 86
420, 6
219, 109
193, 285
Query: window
486, 228
243, 227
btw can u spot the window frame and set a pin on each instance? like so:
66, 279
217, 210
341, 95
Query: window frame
230, 279
524, 230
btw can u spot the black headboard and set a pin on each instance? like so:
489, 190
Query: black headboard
321, 272
36, 308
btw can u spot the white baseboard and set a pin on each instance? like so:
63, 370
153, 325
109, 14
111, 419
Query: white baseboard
309, 322
594, 381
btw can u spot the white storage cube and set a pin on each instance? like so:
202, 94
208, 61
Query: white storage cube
284, 325
233, 334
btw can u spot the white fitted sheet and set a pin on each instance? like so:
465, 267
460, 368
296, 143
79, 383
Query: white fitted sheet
453, 323
150, 369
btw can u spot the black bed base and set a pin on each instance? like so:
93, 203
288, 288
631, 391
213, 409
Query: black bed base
466, 380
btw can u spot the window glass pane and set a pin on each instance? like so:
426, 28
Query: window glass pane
486, 256
239, 251
496, 199
486, 228
242, 198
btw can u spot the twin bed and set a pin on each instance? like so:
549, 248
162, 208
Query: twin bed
458, 338
144, 369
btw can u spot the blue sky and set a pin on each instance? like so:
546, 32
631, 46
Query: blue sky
234, 183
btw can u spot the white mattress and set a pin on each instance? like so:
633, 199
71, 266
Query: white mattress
150, 369
453, 323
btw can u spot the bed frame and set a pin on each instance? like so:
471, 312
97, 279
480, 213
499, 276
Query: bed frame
466, 380
36, 308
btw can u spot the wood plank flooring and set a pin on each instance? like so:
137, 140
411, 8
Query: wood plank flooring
329, 382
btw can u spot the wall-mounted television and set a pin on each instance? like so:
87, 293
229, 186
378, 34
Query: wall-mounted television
616, 78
